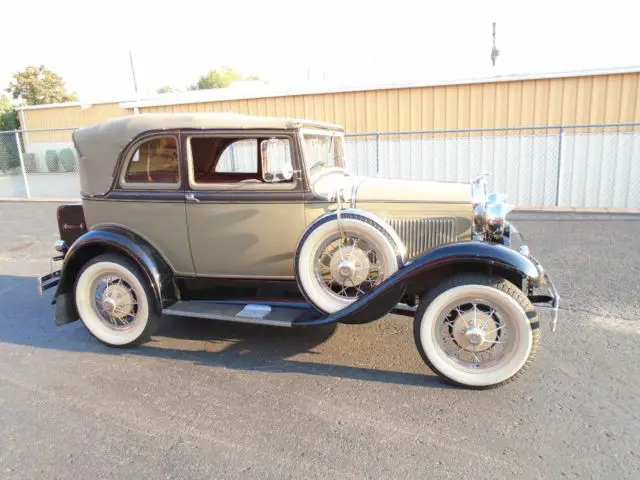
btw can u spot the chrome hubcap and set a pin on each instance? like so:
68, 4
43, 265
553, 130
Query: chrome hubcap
115, 302
474, 333
348, 267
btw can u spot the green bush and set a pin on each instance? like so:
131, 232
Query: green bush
53, 162
9, 158
30, 164
67, 159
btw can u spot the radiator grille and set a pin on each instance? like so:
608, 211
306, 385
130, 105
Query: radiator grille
421, 234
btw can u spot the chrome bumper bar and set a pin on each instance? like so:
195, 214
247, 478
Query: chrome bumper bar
552, 298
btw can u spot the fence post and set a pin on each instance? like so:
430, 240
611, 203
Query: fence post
558, 183
377, 154
22, 167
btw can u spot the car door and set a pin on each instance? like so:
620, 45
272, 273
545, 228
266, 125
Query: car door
245, 209
148, 199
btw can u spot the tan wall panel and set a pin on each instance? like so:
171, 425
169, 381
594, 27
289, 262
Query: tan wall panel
415, 99
598, 99
71, 117
475, 106
565, 100
612, 99
569, 101
404, 109
554, 112
439, 108
463, 113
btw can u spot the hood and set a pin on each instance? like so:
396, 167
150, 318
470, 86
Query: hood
383, 189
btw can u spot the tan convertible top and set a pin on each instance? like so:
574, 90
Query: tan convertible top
100, 145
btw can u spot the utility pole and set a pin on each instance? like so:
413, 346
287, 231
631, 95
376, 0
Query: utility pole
133, 72
494, 51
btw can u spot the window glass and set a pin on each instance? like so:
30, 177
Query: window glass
276, 159
155, 161
225, 160
239, 157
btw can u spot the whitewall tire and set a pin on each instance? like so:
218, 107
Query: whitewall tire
477, 331
113, 300
336, 264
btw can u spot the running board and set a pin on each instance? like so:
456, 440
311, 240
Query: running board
283, 314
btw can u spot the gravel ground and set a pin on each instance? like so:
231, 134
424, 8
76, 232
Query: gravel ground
214, 400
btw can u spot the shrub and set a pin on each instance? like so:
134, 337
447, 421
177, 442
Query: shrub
67, 159
30, 164
9, 158
51, 157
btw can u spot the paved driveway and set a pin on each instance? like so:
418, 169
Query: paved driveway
215, 400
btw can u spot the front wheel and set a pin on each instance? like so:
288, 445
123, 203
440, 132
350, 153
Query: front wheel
477, 331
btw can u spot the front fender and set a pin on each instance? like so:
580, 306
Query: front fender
113, 240
431, 268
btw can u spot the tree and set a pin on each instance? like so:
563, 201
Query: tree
216, 79
38, 86
165, 89
8, 115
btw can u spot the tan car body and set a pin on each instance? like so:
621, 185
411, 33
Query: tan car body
247, 231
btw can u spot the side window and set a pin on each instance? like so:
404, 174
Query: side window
224, 160
239, 156
154, 162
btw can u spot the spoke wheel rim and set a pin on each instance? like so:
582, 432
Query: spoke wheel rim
475, 334
115, 302
347, 267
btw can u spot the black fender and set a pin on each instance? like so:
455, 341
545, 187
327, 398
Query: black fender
427, 270
113, 240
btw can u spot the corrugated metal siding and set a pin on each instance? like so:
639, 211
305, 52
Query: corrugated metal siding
571, 100
566, 100
67, 117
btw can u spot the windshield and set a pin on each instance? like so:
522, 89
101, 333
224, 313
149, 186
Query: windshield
323, 150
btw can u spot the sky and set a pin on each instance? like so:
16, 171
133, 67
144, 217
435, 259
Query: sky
294, 43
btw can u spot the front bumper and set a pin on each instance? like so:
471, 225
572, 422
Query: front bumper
544, 293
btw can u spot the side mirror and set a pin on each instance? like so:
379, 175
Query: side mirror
275, 155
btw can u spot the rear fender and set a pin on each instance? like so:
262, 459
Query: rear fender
113, 240
431, 268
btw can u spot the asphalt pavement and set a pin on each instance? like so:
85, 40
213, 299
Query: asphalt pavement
209, 399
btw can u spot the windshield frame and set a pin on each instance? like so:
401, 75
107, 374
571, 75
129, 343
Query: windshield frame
325, 133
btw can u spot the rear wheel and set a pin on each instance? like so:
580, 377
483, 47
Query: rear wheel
113, 300
477, 331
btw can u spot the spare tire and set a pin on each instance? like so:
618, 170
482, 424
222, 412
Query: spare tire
336, 264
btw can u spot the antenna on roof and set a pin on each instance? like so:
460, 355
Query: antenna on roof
133, 72
494, 51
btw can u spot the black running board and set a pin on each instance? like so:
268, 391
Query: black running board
284, 314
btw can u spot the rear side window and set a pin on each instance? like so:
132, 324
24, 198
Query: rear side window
154, 163
239, 157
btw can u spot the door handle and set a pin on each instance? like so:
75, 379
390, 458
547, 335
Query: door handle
190, 197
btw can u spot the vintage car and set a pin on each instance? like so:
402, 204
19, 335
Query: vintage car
252, 219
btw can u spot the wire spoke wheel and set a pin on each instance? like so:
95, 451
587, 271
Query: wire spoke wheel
474, 333
115, 302
477, 331
339, 261
348, 267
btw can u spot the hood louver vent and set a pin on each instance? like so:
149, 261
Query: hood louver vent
421, 234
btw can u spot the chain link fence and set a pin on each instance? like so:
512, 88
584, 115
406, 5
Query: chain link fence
567, 166
38, 164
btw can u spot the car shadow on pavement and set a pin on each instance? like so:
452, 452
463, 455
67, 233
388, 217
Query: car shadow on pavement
27, 319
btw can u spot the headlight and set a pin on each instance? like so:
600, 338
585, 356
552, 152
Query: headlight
490, 217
